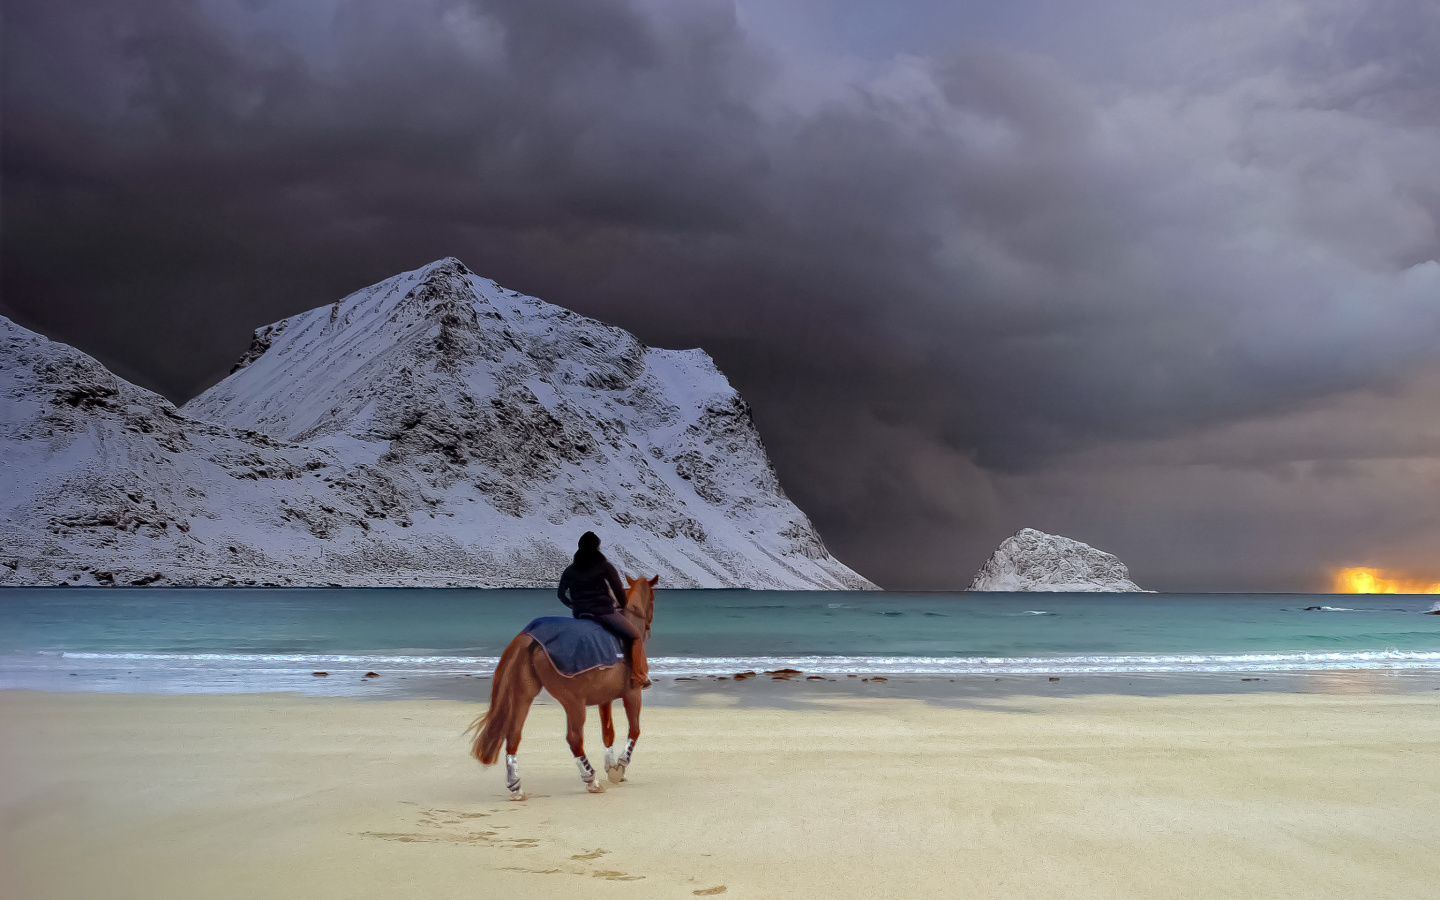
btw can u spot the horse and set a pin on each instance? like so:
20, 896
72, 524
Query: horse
525, 668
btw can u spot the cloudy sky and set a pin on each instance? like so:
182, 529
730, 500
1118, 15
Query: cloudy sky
1158, 277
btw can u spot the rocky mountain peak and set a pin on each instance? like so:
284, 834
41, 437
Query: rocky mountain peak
434, 428
1032, 560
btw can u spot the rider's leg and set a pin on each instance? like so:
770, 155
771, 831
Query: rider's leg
618, 625
639, 665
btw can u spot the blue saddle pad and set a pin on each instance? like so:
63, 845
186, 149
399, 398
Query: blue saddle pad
575, 645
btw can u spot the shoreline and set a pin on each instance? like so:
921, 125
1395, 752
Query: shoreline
1274, 795
803, 692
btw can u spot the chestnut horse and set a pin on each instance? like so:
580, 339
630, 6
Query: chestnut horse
525, 668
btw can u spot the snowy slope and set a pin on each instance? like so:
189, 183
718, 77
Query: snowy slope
431, 429
103, 482
1031, 560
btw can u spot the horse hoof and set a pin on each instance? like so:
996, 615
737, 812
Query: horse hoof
518, 795
594, 786
615, 773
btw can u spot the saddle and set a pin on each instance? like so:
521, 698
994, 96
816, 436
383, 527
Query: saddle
575, 645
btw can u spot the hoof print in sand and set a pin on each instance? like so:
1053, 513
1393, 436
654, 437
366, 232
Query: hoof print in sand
710, 892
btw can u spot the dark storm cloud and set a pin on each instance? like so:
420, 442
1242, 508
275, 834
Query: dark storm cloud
932, 272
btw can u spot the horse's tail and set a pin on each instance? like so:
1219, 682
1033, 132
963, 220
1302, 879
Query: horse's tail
491, 728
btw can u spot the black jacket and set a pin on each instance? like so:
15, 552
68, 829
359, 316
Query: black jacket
586, 587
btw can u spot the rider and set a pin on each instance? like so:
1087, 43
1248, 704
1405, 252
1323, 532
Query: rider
591, 587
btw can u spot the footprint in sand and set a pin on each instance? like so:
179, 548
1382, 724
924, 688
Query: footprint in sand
436, 825
474, 837
453, 812
607, 874
440, 826
521, 844
710, 892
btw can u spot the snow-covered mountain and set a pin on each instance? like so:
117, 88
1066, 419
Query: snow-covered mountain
1031, 560
433, 429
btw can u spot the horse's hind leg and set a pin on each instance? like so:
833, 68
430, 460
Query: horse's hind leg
516, 689
575, 735
527, 688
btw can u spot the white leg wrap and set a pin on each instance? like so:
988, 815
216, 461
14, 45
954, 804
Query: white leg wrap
587, 774
512, 772
629, 749
609, 757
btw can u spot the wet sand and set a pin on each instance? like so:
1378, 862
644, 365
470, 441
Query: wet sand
1214, 795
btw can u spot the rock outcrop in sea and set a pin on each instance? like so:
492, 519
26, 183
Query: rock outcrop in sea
1031, 560
433, 429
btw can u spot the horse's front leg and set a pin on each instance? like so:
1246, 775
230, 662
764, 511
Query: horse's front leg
607, 731
575, 735
616, 771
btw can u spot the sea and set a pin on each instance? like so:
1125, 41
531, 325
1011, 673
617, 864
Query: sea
446, 642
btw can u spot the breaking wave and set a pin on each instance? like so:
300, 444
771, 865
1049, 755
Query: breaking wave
820, 665
345, 674
1056, 665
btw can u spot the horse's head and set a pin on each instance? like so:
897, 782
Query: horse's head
640, 598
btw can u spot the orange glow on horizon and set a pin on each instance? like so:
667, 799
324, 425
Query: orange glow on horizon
1379, 581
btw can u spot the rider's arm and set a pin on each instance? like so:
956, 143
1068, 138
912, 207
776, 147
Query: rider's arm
564, 590
612, 578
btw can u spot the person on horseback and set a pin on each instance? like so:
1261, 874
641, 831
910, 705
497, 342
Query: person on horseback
591, 588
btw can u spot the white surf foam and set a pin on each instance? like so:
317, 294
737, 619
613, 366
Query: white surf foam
898, 665
345, 673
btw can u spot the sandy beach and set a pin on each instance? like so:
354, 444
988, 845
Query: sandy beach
1264, 795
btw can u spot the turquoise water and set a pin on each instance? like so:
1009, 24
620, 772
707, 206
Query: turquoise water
174, 639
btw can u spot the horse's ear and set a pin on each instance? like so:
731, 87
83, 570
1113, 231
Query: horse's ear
654, 581
630, 582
